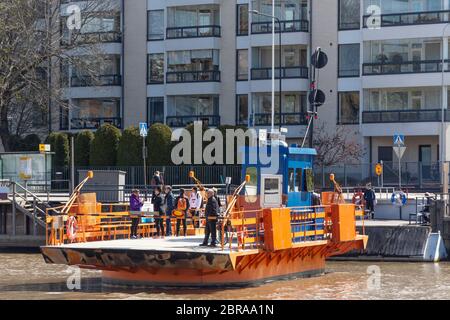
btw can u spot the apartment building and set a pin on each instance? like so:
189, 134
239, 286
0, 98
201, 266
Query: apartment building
179, 61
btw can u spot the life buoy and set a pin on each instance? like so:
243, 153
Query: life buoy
178, 214
242, 235
71, 228
358, 198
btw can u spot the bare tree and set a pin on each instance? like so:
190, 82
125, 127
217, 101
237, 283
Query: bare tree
336, 147
34, 43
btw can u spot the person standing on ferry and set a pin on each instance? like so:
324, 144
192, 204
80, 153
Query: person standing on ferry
157, 202
135, 208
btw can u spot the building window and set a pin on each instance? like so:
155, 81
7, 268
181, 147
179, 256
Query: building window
155, 25
155, 110
93, 113
156, 68
348, 108
349, 60
385, 154
242, 19
242, 64
193, 66
349, 14
242, 109
64, 117
184, 110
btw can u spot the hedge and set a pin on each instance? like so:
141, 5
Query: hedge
104, 146
59, 143
129, 152
159, 145
83, 141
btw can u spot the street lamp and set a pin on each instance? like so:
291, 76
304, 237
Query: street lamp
273, 63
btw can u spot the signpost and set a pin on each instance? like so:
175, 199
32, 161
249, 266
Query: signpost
45, 149
143, 131
378, 171
399, 149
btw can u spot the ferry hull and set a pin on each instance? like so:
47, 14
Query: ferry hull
196, 267
250, 276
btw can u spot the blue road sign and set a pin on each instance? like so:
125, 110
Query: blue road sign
143, 129
399, 140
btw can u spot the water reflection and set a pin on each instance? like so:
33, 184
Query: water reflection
28, 277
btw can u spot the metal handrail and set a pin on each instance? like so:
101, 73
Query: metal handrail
265, 73
440, 15
179, 32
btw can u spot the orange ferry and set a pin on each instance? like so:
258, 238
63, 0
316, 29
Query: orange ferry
270, 230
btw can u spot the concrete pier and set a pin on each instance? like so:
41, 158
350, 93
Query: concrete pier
396, 240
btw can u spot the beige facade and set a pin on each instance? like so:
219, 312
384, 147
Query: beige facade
179, 63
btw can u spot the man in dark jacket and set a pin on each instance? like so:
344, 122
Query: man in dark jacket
157, 202
169, 206
369, 198
211, 212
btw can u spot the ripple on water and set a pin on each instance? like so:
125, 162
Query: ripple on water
26, 276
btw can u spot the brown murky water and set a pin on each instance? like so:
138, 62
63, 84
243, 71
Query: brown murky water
26, 276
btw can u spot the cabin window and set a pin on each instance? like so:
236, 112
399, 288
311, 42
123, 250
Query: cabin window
291, 180
309, 180
251, 188
298, 180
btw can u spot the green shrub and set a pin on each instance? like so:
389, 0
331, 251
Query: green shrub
83, 141
59, 143
104, 146
15, 143
129, 152
159, 145
31, 143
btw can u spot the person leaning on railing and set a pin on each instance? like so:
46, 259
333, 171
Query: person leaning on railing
135, 208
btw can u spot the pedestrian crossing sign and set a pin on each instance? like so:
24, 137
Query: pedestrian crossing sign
399, 140
143, 129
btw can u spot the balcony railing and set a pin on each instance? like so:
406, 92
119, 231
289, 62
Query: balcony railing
296, 118
93, 123
286, 73
183, 121
192, 76
432, 115
98, 81
410, 18
286, 26
92, 37
424, 66
193, 32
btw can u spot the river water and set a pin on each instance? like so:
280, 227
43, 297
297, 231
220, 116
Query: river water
26, 276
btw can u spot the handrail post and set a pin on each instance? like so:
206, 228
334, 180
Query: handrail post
34, 216
14, 209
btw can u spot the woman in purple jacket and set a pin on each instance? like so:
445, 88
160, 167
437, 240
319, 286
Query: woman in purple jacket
135, 207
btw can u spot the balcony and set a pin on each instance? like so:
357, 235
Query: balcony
93, 123
286, 26
411, 18
287, 119
399, 116
91, 38
424, 66
100, 81
286, 73
193, 32
192, 76
184, 121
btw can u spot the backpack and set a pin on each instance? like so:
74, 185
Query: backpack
182, 203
